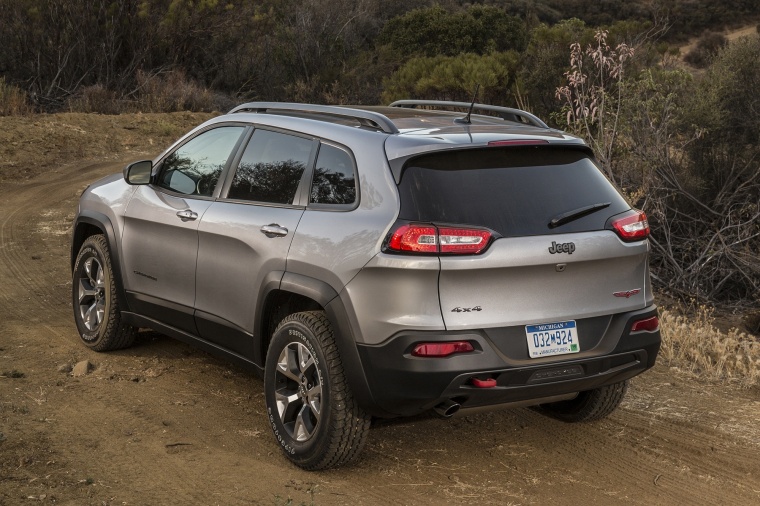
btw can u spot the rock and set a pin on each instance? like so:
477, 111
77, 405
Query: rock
65, 368
81, 369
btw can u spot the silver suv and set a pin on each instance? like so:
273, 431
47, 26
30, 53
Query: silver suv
376, 262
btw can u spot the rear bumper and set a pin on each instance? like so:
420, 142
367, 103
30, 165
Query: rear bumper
402, 384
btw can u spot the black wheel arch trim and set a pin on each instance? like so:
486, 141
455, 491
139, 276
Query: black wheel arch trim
326, 296
102, 223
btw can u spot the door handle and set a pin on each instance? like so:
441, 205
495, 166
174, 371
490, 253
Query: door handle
187, 215
274, 230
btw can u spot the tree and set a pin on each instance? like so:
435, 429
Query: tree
592, 95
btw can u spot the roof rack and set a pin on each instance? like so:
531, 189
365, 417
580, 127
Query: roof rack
505, 113
367, 119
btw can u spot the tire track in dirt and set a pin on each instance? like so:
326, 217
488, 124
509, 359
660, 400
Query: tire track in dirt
23, 275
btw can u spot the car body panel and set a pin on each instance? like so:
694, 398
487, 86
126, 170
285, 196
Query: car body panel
334, 245
234, 258
517, 281
160, 248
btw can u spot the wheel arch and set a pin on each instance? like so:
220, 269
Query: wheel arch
87, 224
295, 293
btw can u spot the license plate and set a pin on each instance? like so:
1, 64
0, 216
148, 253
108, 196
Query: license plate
547, 339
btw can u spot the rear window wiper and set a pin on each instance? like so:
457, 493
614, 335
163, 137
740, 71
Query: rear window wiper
573, 215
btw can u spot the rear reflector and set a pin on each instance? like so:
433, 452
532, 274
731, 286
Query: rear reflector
519, 142
426, 238
648, 325
441, 349
632, 227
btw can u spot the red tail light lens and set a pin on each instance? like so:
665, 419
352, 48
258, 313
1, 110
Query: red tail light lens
421, 239
649, 325
425, 238
632, 227
438, 350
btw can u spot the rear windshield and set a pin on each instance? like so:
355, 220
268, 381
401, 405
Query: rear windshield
515, 191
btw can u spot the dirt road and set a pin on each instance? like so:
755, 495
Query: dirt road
162, 423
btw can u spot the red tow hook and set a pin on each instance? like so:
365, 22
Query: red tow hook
483, 383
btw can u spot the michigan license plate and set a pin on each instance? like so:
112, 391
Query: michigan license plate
547, 339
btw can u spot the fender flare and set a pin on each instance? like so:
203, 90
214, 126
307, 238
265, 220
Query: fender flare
103, 223
326, 296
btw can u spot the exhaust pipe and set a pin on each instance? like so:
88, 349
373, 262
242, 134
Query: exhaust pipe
446, 409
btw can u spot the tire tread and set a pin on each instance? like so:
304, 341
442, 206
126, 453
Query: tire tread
349, 425
589, 406
117, 335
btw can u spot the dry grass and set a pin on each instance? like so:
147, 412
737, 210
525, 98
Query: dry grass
13, 100
171, 92
693, 345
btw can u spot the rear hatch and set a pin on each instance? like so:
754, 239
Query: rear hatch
553, 255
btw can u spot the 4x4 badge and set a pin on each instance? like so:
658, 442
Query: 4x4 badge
466, 309
627, 294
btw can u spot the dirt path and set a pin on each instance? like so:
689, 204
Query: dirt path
731, 35
162, 423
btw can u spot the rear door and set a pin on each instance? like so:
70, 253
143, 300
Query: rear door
245, 236
533, 272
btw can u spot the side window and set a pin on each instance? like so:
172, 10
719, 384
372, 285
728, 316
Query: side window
271, 168
194, 168
334, 180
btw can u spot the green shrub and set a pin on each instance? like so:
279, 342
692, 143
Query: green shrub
435, 31
454, 78
708, 44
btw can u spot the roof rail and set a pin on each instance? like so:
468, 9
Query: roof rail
505, 113
367, 119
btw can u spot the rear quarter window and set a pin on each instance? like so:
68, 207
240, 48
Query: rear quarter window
334, 178
514, 191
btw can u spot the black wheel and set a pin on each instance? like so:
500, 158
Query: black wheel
587, 406
96, 308
313, 414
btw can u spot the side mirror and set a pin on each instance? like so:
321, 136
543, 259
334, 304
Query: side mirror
138, 172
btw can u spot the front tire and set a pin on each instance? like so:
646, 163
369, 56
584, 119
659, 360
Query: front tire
587, 406
310, 407
94, 296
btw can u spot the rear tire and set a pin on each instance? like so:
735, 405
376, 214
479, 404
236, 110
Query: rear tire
94, 296
311, 409
587, 406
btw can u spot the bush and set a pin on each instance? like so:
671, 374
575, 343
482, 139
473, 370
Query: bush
454, 78
435, 31
172, 91
13, 100
708, 44
97, 99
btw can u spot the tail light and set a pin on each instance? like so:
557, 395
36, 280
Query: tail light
632, 226
415, 238
426, 238
439, 350
649, 325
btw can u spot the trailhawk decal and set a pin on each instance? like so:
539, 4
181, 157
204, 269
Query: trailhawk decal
627, 293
